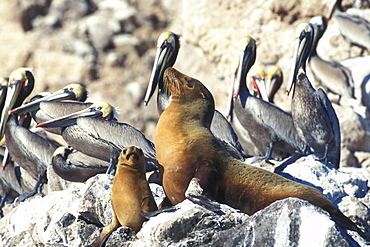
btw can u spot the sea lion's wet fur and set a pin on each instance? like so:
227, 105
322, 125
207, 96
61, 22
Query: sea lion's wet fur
187, 149
131, 194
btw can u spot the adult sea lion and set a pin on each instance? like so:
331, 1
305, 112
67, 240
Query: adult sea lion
187, 149
131, 194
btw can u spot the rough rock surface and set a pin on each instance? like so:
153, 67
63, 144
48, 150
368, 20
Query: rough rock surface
109, 45
75, 216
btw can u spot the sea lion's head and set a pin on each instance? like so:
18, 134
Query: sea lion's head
194, 97
132, 157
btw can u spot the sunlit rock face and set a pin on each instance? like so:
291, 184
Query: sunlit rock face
75, 216
110, 46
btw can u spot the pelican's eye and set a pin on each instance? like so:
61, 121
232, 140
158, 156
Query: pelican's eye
165, 44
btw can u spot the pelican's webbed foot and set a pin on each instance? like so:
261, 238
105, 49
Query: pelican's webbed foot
37, 189
113, 162
324, 158
259, 159
2, 202
265, 158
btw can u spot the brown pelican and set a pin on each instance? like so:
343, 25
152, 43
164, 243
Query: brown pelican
28, 150
25, 121
3, 89
50, 110
269, 127
273, 81
75, 166
89, 132
60, 103
257, 76
313, 114
335, 77
73, 91
20, 85
354, 29
10, 182
167, 50
266, 83
4, 83
168, 47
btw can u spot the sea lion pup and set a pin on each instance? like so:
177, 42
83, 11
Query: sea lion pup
131, 195
187, 149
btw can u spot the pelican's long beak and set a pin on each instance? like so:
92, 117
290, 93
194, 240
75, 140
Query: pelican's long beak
230, 100
6, 159
3, 89
247, 58
271, 86
167, 49
304, 34
59, 95
71, 118
259, 85
17, 81
273, 81
160, 62
239, 75
294, 70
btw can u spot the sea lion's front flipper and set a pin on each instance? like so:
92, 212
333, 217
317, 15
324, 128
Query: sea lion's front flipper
107, 231
207, 176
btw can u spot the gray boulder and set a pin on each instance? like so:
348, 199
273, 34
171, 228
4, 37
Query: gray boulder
75, 216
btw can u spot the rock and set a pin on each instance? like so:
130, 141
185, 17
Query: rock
360, 74
348, 158
289, 222
120, 236
95, 206
125, 40
357, 209
71, 10
30, 9
109, 45
119, 10
115, 59
334, 184
354, 132
364, 159
61, 12
35, 221
75, 45
75, 216
100, 30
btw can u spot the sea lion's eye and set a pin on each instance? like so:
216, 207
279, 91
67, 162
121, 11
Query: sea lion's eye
189, 83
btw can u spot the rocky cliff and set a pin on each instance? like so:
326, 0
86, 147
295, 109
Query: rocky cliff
75, 216
109, 45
